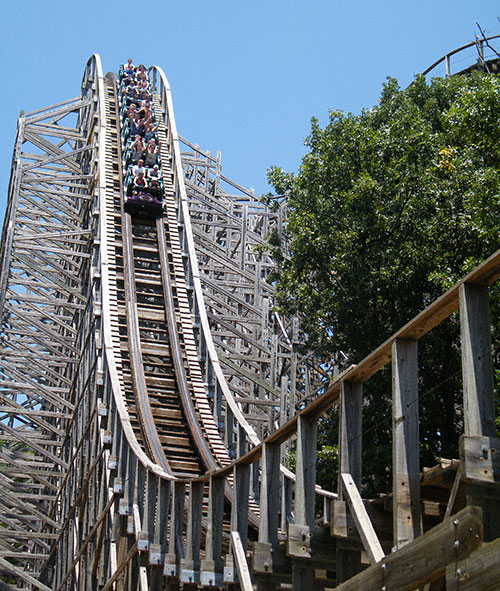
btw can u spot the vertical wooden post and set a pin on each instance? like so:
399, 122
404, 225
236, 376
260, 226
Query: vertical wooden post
229, 432
479, 441
350, 454
477, 365
239, 506
305, 492
299, 534
190, 566
407, 518
286, 502
158, 547
211, 566
350, 438
176, 542
270, 494
264, 549
239, 517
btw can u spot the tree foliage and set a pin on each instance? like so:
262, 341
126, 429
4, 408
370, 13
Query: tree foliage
388, 210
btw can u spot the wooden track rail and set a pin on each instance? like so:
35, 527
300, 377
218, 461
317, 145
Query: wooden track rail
150, 394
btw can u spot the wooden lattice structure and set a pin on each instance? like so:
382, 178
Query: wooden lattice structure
150, 391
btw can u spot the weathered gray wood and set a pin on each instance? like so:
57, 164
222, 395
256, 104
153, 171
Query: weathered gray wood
241, 562
350, 450
477, 365
239, 505
305, 493
299, 534
350, 433
425, 559
270, 494
454, 492
481, 465
479, 401
480, 571
363, 523
190, 565
407, 517
176, 541
211, 566
481, 459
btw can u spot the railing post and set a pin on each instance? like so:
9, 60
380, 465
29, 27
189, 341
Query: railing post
350, 448
265, 549
407, 518
477, 365
211, 566
299, 533
190, 566
239, 515
479, 445
158, 547
176, 542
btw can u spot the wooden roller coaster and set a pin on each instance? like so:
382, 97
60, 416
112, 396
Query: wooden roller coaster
150, 392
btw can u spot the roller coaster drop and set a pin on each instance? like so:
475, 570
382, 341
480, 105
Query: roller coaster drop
149, 391
152, 348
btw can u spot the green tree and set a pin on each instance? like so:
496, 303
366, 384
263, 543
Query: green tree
388, 210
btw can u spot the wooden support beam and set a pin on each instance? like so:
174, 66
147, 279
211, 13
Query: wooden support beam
426, 558
270, 494
479, 405
481, 460
265, 549
211, 566
365, 528
241, 562
299, 534
176, 541
407, 518
350, 432
480, 571
239, 515
305, 491
19, 572
350, 454
190, 565
477, 365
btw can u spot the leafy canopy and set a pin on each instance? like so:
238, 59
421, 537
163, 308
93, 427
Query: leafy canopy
388, 210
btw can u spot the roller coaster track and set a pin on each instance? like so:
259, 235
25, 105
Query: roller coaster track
149, 391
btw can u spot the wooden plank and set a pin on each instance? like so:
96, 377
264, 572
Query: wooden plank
270, 494
454, 492
350, 450
350, 433
480, 571
477, 364
426, 558
365, 528
211, 566
407, 518
239, 505
241, 562
481, 459
305, 493
479, 406
9, 567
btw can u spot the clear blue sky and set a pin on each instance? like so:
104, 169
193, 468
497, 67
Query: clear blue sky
246, 77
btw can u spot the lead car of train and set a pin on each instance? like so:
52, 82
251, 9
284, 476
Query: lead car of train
143, 178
